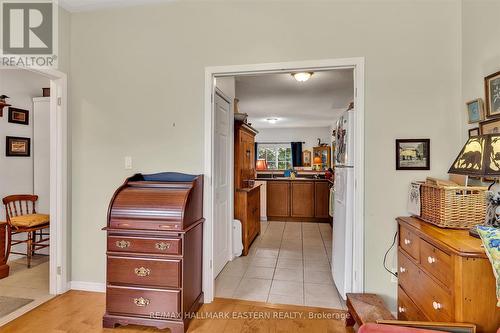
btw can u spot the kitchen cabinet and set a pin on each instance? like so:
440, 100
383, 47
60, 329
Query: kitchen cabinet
302, 199
278, 199
322, 199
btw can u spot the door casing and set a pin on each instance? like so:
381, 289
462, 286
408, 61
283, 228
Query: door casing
358, 66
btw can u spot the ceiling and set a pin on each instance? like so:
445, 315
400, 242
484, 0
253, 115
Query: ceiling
87, 5
317, 102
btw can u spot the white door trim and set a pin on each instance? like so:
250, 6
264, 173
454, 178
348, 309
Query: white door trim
310, 65
58, 260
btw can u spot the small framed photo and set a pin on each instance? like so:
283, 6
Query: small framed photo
19, 116
491, 126
16, 146
306, 158
492, 94
413, 154
474, 132
475, 111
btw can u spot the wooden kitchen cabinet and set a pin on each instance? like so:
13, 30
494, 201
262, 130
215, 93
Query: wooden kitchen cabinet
302, 199
322, 200
278, 199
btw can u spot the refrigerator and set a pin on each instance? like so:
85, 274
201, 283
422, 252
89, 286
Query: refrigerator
343, 204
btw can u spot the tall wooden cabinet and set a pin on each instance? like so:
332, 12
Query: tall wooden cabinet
246, 198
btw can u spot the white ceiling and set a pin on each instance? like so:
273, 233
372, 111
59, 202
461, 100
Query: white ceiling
317, 102
87, 5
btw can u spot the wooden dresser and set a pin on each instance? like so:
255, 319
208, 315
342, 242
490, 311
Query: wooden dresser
154, 251
246, 197
444, 275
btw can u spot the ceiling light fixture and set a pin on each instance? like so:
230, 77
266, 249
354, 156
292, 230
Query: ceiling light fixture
272, 120
302, 76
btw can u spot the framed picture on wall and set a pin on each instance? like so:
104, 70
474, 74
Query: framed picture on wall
474, 132
19, 116
306, 158
475, 111
492, 94
17, 146
490, 126
413, 154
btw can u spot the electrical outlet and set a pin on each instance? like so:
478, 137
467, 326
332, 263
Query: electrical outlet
128, 162
394, 279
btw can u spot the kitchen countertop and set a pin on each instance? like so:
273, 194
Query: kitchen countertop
298, 179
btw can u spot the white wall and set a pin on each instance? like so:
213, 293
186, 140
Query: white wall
124, 100
309, 135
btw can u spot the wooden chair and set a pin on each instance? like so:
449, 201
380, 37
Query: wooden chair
22, 218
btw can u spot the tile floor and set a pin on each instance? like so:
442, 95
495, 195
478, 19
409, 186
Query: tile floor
289, 263
30, 283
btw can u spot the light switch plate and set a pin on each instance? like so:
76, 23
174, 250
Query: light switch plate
128, 162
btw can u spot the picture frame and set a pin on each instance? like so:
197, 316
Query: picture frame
492, 95
413, 154
306, 158
491, 126
474, 132
475, 111
17, 146
18, 116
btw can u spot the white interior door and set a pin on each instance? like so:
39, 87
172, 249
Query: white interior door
222, 171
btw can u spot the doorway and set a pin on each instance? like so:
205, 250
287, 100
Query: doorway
211, 214
54, 115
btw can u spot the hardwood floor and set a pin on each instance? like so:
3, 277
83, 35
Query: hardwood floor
78, 311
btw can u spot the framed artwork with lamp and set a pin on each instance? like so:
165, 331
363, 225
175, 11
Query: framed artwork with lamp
480, 157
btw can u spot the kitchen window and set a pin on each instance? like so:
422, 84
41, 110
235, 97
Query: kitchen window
277, 156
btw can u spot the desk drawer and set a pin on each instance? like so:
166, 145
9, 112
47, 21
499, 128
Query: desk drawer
172, 246
409, 242
146, 272
143, 301
437, 263
407, 310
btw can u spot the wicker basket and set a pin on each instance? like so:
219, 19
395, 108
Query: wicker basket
455, 207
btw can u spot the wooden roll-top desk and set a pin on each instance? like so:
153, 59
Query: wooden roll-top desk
154, 251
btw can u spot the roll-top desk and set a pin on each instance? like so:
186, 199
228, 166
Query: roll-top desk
154, 251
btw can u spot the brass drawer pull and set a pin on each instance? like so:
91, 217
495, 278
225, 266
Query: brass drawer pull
141, 301
401, 309
162, 246
407, 241
431, 260
142, 272
122, 244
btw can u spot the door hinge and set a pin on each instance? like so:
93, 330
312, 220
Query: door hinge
59, 270
210, 264
59, 101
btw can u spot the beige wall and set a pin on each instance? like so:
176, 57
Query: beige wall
480, 49
136, 71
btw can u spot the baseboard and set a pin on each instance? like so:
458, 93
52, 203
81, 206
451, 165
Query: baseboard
88, 286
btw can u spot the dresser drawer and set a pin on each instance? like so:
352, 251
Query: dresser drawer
146, 272
407, 310
143, 301
172, 246
409, 242
434, 301
436, 262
